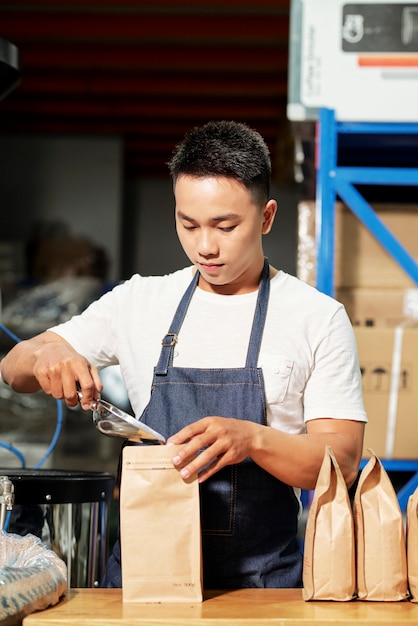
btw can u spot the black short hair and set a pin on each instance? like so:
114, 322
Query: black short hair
225, 148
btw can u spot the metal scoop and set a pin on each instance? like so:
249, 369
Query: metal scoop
112, 421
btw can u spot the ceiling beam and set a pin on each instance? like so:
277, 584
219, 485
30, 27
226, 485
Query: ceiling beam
114, 27
112, 84
149, 108
152, 128
272, 6
153, 57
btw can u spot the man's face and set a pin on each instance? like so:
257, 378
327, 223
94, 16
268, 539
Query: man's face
220, 228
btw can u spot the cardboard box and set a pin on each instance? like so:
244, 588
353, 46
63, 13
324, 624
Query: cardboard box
373, 307
391, 398
360, 260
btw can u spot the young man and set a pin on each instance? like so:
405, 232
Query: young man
256, 374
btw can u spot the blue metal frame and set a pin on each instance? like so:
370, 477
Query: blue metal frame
334, 180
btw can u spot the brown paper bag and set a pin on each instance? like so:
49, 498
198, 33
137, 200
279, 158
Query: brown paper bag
160, 528
412, 545
329, 558
380, 536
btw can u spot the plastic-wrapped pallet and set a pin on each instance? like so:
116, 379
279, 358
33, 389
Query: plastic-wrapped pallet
32, 577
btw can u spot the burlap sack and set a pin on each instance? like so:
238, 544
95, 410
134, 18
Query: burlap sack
329, 560
160, 528
380, 536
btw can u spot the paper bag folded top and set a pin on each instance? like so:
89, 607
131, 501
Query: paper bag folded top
380, 536
329, 559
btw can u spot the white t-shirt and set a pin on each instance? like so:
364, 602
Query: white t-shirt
308, 352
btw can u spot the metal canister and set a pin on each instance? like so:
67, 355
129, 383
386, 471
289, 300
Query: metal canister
68, 511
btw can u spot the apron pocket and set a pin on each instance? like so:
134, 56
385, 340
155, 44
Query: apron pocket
218, 502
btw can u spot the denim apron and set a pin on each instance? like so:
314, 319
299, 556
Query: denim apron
248, 517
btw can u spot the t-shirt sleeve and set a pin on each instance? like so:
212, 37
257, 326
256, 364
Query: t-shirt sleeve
92, 333
334, 388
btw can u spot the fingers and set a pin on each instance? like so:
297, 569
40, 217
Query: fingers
212, 443
204, 465
64, 382
188, 432
61, 372
209, 445
195, 444
90, 387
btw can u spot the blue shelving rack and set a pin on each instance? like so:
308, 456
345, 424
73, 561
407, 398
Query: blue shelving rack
334, 180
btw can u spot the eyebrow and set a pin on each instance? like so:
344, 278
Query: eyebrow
219, 218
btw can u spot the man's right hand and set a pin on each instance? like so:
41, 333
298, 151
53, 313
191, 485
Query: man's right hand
50, 363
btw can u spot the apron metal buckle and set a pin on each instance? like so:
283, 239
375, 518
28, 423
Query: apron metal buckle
169, 340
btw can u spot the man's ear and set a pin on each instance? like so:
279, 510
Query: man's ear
269, 213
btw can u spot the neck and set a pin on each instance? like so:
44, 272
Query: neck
237, 287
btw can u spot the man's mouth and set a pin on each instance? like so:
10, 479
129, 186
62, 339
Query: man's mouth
211, 266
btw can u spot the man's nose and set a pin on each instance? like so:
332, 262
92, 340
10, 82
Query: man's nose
207, 242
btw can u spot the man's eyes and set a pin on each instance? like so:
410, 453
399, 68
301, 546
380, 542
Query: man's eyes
224, 229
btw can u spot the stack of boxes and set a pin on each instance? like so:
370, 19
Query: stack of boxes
381, 301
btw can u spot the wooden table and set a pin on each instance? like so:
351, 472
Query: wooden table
243, 607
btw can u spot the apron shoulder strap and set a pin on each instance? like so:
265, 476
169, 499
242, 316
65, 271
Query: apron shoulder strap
259, 317
170, 339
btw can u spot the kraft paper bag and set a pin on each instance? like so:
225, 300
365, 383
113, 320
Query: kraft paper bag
160, 528
412, 545
329, 558
380, 536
